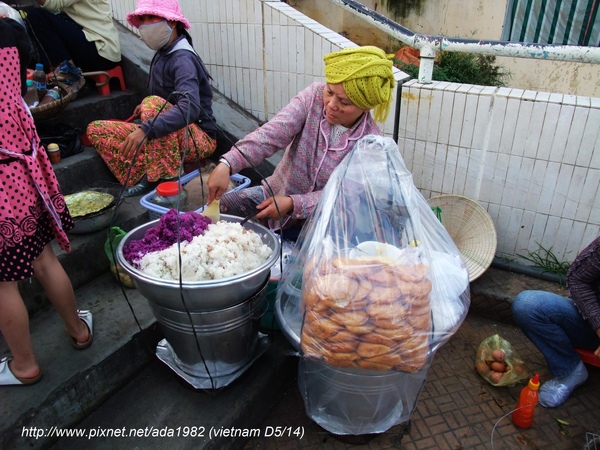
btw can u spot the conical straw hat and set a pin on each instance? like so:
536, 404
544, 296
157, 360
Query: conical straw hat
470, 227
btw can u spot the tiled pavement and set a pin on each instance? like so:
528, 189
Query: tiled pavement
457, 409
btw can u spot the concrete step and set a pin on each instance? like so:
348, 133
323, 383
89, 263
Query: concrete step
90, 106
87, 259
158, 401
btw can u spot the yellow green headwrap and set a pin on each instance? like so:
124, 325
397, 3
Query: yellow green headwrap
366, 74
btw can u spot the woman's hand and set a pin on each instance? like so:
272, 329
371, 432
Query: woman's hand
269, 211
132, 143
218, 182
137, 112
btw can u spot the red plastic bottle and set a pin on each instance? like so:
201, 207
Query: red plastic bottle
523, 416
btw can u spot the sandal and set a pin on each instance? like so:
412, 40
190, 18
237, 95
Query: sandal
68, 74
7, 378
86, 317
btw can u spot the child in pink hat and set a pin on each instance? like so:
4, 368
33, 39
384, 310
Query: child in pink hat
177, 122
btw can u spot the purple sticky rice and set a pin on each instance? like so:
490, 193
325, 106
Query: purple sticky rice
165, 234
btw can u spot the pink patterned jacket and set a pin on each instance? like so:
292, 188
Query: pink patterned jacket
309, 158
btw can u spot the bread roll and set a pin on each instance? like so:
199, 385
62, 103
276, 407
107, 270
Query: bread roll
322, 328
352, 318
384, 294
389, 360
377, 338
422, 321
335, 288
399, 333
390, 310
413, 273
360, 329
369, 365
366, 350
339, 346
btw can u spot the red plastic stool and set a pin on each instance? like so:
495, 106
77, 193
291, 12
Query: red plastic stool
103, 83
588, 357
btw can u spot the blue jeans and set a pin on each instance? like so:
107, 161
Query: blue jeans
555, 326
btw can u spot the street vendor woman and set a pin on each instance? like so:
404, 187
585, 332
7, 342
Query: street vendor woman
176, 119
318, 128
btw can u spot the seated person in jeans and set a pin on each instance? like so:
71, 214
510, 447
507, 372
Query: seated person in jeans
556, 324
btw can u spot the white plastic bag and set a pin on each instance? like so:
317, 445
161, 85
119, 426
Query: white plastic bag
382, 287
11, 13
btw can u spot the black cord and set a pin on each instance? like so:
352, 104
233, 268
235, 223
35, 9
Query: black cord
112, 224
180, 261
114, 217
191, 100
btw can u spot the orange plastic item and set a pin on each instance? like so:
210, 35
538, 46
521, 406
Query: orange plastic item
168, 188
523, 415
588, 357
115, 72
408, 55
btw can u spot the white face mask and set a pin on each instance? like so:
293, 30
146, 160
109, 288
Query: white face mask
156, 35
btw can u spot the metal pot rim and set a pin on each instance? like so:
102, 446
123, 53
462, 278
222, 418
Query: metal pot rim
203, 283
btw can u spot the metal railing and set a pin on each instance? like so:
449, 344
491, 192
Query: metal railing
429, 44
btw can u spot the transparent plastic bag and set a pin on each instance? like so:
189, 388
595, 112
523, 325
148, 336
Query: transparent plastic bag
382, 286
498, 363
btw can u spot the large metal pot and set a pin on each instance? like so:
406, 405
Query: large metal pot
209, 295
215, 343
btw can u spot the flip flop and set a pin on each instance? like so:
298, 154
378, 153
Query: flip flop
86, 317
7, 378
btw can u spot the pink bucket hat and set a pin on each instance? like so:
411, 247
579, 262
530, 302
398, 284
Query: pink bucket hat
168, 9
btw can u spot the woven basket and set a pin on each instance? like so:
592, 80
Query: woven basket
52, 109
470, 227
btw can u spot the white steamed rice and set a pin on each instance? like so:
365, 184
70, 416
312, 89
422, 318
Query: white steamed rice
226, 249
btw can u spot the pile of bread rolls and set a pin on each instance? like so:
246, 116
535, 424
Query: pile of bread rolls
368, 313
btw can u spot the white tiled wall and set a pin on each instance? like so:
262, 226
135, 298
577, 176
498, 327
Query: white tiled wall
532, 159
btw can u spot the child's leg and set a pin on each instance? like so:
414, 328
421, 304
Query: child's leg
14, 325
55, 281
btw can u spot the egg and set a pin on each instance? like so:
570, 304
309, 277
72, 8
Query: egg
495, 377
498, 355
482, 368
498, 366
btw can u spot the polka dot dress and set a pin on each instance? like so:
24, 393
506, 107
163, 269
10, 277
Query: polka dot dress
29, 190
